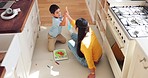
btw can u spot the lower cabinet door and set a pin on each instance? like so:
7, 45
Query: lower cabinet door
20, 70
137, 70
145, 70
26, 59
140, 63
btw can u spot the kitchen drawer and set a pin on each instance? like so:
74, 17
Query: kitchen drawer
102, 2
99, 22
27, 29
35, 10
106, 7
99, 6
35, 27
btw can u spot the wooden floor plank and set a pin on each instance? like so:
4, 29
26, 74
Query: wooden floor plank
77, 9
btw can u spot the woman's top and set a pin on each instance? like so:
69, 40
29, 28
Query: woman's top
90, 47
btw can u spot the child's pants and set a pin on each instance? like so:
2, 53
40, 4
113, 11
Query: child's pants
52, 41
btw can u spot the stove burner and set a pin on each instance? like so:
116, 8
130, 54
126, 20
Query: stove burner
135, 10
134, 19
136, 33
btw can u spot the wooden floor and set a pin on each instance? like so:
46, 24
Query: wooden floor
77, 9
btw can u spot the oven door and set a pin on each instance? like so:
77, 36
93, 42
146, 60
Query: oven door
113, 51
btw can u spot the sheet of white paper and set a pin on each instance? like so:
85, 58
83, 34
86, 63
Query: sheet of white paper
72, 42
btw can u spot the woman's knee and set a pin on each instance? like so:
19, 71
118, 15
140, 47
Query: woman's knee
74, 36
83, 62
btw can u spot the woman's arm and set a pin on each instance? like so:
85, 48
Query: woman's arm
64, 21
92, 73
86, 48
72, 21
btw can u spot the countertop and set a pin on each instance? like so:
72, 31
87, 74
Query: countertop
143, 42
16, 24
125, 2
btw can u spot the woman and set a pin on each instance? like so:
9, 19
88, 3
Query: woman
87, 49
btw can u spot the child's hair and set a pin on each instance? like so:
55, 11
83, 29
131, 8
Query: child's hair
83, 28
53, 8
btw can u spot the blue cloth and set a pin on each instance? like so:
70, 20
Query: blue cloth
74, 50
55, 28
69, 25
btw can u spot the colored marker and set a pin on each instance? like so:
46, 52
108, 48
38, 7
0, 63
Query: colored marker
48, 66
57, 62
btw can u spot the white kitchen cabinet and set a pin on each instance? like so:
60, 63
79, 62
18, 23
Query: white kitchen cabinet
109, 38
101, 21
102, 14
20, 70
11, 57
19, 55
139, 64
28, 37
91, 4
26, 60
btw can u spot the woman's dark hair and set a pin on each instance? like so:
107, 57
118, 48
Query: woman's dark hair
83, 28
53, 8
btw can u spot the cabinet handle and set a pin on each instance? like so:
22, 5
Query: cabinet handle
144, 59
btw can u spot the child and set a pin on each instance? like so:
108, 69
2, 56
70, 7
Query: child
54, 33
